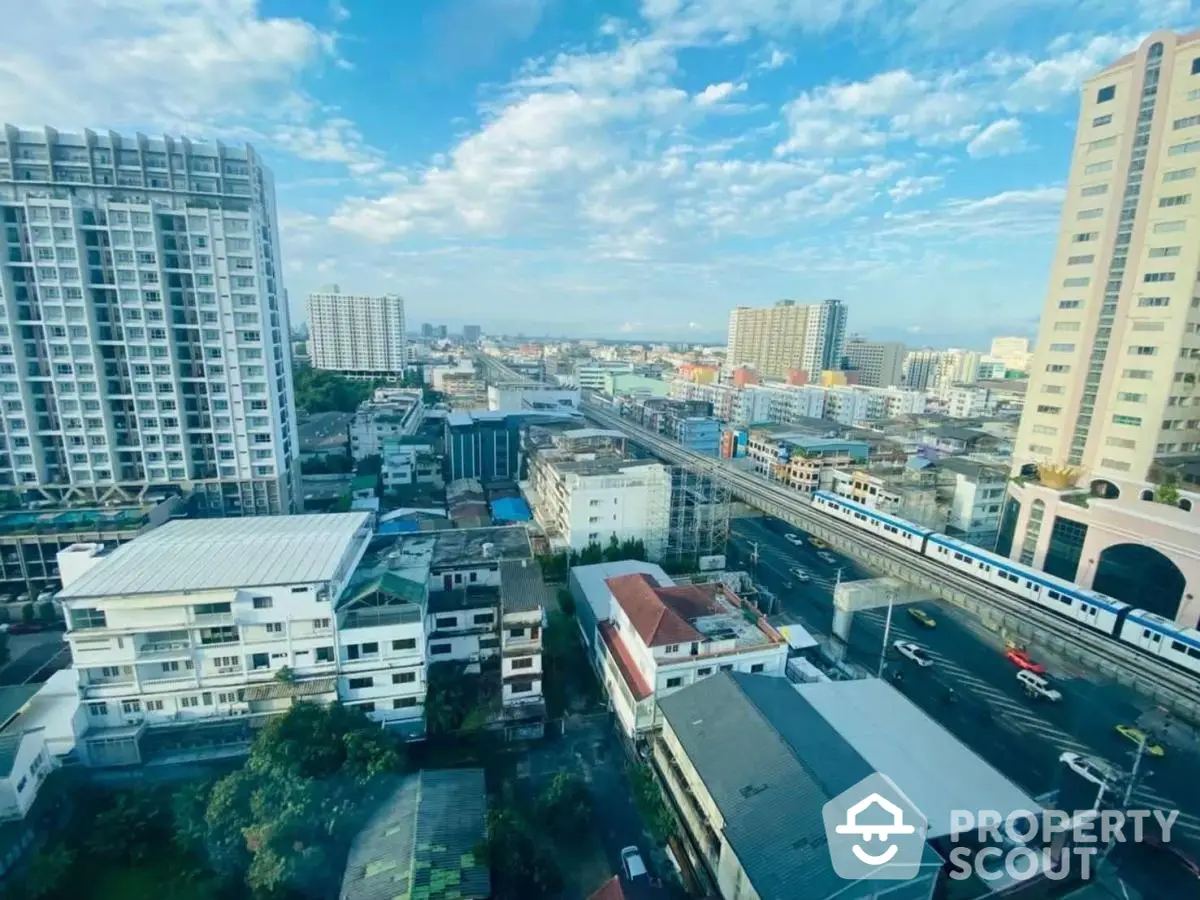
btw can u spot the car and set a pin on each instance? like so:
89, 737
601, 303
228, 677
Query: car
1136, 735
914, 653
1090, 768
827, 556
794, 539
923, 618
1038, 687
817, 543
800, 574
631, 863
1022, 660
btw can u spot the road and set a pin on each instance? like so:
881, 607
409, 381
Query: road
1021, 738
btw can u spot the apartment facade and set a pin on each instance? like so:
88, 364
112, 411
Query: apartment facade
1014, 352
356, 334
143, 325
773, 339
391, 413
877, 363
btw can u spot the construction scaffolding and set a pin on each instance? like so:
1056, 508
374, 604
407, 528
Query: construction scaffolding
698, 519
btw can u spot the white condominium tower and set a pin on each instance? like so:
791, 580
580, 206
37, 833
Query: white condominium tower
773, 339
356, 334
1113, 378
143, 327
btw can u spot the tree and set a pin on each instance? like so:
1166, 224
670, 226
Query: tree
1168, 489
648, 798
554, 566
318, 391
612, 552
565, 806
521, 869
566, 601
48, 872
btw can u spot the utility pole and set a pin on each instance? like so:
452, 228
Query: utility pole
1129, 787
887, 629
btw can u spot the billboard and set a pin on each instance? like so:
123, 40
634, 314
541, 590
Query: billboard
712, 563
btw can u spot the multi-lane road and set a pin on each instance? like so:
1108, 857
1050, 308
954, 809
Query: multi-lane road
989, 713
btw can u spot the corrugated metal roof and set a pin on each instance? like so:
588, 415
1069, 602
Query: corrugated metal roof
522, 588
423, 841
209, 554
276, 690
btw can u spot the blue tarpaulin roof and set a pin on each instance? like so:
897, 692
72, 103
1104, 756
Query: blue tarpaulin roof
511, 509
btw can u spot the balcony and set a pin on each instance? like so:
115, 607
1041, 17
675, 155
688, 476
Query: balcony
164, 650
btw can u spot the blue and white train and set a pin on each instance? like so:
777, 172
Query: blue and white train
1150, 633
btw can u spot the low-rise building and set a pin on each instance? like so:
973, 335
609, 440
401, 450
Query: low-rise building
660, 638
797, 459
974, 494
903, 491
390, 413
961, 401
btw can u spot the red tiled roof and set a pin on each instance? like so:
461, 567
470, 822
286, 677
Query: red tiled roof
610, 890
660, 615
624, 661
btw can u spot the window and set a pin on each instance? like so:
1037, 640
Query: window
1106, 93
1154, 301
481, 618
1170, 227
88, 618
703, 673
1174, 200
757, 667
97, 709
1044, 429
1101, 144
274, 627
262, 602
446, 622
404, 678
405, 644
1101, 120
1115, 464
365, 707
1123, 443
1183, 149
1097, 168
1143, 350
1135, 421
1062, 348
1143, 374
1070, 304
260, 661
1149, 326
1131, 398
1094, 213
521, 686
1076, 282
520, 632
1094, 190
189, 702
1066, 326
131, 706
1052, 389
370, 648
674, 682
1081, 260
320, 624
1159, 252
439, 649
1179, 174
404, 702
1156, 277
356, 684
1084, 237
324, 654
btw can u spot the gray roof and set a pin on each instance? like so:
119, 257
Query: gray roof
210, 554
425, 835
472, 546
14, 699
936, 770
970, 467
770, 765
522, 588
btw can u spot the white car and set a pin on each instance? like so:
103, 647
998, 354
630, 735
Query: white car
631, 862
913, 652
800, 575
1097, 771
827, 556
794, 539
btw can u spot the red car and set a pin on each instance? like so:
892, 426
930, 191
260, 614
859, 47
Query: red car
1021, 660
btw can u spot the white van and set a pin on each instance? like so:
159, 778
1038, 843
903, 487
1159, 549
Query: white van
1036, 686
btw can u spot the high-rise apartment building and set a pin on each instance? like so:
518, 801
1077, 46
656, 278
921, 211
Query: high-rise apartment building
930, 370
1113, 382
920, 369
471, 334
143, 326
426, 330
1012, 351
1112, 412
878, 363
810, 337
356, 334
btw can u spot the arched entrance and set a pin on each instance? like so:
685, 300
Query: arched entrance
1105, 489
1142, 577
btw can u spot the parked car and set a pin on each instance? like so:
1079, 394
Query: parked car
631, 863
800, 575
1037, 686
794, 539
923, 618
1022, 660
1090, 768
1135, 734
914, 653
827, 556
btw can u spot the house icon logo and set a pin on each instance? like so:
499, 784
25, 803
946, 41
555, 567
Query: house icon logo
874, 831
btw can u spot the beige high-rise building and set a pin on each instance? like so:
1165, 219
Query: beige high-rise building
1113, 377
786, 336
356, 334
878, 363
1012, 351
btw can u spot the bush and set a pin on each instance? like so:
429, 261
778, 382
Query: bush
566, 601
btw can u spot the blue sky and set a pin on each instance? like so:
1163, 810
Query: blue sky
620, 168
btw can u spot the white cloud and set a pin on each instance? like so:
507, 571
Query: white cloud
910, 187
776, 60
716, 93
1001, 138
1045, 83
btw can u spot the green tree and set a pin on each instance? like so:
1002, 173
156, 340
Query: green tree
48, 872
521, 869
566, 601
565, 806
647, 796
320, 391
612, 552
1168, 489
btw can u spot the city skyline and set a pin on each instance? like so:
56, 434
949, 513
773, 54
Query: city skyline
637, 170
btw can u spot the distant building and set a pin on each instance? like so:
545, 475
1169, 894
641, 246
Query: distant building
442, 332
426, 331
787, 335
878, 363
1012, 351
390, 413
975, 492
471, 334
357, 334
798, 459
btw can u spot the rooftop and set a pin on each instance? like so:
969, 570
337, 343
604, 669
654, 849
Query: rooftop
625, 663
681, 614
471, 546
57, 521
423, 842
471, 596
590, 580
522, 588
971, 468
210, 554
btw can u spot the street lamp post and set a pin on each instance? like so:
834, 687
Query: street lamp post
887, 631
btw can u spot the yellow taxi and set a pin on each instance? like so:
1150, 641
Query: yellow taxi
923, 618
1137, 736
